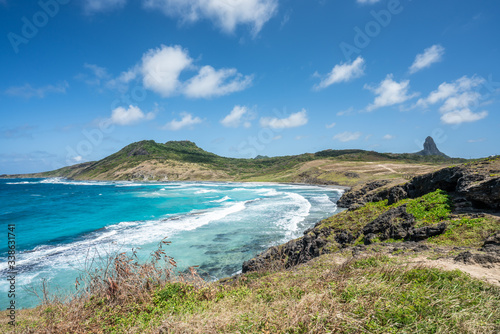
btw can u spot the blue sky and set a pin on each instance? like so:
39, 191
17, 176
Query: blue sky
83, 78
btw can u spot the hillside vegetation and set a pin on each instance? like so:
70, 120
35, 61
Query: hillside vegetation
183, 160
415, 258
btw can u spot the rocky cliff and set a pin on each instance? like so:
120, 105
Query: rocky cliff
454, 200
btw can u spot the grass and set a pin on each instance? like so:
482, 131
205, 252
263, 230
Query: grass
467, 231
375, 294
330, 294
430, 209
183, 160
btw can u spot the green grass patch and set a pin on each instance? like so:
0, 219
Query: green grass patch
467, 231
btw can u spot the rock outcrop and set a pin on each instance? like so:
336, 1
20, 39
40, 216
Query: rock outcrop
395, 223
430, 148
476, 185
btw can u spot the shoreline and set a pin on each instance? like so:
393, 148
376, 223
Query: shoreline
332, 186
339, 188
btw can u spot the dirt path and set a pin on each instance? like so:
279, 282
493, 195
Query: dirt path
490, 275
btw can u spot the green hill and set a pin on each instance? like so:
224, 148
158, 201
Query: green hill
148, 160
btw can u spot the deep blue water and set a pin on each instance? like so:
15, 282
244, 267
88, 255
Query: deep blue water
59, 224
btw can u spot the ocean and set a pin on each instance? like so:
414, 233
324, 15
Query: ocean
59, 225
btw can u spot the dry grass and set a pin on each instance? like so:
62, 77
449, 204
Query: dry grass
330, 294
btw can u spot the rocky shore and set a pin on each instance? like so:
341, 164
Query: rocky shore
473, 191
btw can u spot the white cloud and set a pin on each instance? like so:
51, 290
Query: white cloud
294, 120
300, 137
187, 120
98, 71
78, 158
388, 137
239, 114
457, 99
211, 82
131, 115
331, 125
463, 116
389, 93
27, 91
345, 112
347, 136
93, 6
430, 56
161, 68
227, 14
343, 72
450, 90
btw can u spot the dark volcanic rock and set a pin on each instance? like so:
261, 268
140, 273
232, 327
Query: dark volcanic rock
295, 251
395, 223
482, 194
492, 244
396, 194
430, 148
361, 196
475, 186
444, 179
483, 259
426, 232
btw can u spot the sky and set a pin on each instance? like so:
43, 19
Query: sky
81, 79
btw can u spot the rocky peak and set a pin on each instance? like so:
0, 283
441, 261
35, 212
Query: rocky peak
430, 148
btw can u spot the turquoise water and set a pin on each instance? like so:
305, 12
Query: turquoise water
59, 224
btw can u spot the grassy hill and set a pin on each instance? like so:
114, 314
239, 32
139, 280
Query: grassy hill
184, 160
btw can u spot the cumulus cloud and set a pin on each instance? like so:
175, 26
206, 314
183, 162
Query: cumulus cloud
463, 116
237, 116
94, 6
389, 93
226, 14
294, 120
347, 136
211, 82
388, 137
161, 68
457, 98
131, 115
187, 120
430, 56
27, 91
343, 72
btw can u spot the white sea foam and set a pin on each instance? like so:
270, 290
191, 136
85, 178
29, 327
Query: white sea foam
261, 214
205, 191
225, 198
60, 180
124, 234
